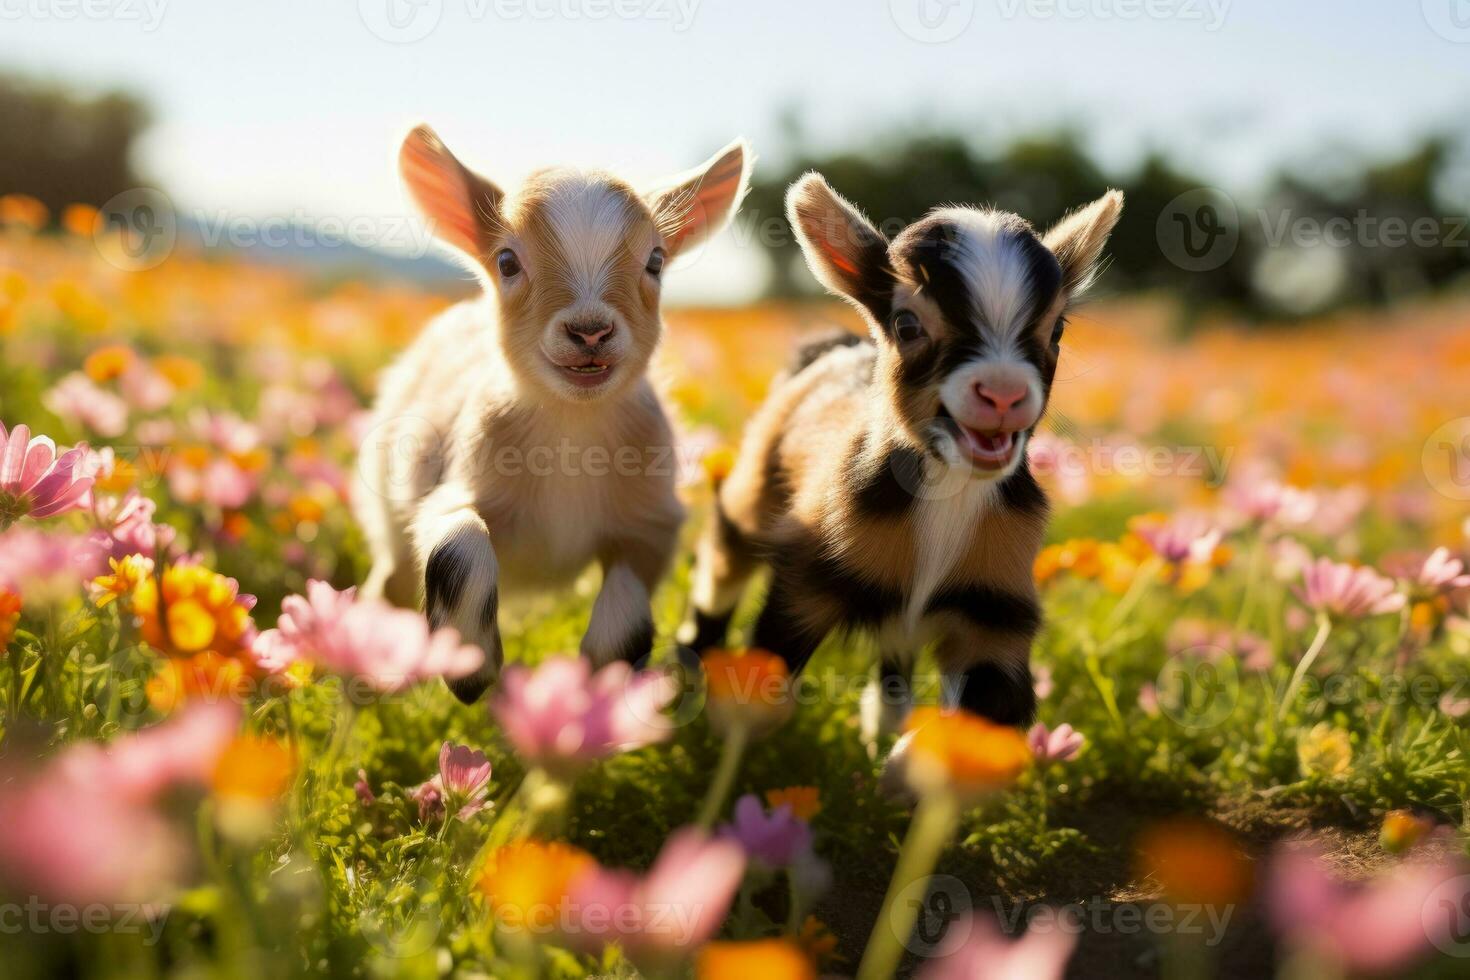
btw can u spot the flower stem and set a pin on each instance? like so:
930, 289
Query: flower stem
1324, 627
1248, 601
1142, 579
929, 833
719, 789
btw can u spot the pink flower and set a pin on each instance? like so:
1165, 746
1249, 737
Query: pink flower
1344, 590
1057, 745
1184, 537
1377, 927
128, 528
776, 839
1042, 682
390, 648
464, 776
1338, 510
429, 796
987, 954
561, 716
1148, 699
1267, 501
46, 565
1441, 574
35, 481
181, 751
77, 400
364, 789
660, 919
144, 388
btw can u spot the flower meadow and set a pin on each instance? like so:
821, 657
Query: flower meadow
217, 760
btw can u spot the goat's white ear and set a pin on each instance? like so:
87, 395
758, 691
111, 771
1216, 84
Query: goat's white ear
845, 252
692, 206
1078, 240
460, 203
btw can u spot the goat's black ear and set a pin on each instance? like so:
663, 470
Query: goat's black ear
694, 205
461, 204
1078, 240
844, 251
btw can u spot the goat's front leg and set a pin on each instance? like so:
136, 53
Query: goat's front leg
621, 626
461, 580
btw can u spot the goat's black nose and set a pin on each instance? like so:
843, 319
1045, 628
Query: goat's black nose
590, 332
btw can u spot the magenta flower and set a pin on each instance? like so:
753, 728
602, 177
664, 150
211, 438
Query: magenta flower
1347, 591
1182, 538
987, 954
560, 716
364, 789
464, 776
80, 402
35, 480
387, 647
661, 918
1377, 927
776, 839
1057, 745
127, 526
429, 795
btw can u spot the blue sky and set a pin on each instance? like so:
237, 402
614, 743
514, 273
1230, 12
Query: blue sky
275, 106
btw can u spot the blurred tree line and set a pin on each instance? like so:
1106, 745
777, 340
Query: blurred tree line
63, 147
1376, 233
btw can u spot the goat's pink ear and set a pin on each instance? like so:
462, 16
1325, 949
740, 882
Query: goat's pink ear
692, 206
1078, 240
461, 204
845, 252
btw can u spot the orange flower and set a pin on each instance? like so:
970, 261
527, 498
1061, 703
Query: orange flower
962, 753
746, 688
79, 219
818, 941
805, 801
525, 882
769, 959
23, 210
205, 675
9, 617
121, 478
1402, 829
108, 363
201, 610
253, 769
1195, 862
181, 372
718, 463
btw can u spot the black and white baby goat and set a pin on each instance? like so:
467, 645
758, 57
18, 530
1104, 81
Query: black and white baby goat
885, 480
518, 439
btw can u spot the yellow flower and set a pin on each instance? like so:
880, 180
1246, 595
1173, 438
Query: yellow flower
718, 463
746, 688
962, 753
1402, 829
1324, 751
253, 769
1194, 862
200, 611
108, 363
768, 959
805, 801
127, 574
525, 883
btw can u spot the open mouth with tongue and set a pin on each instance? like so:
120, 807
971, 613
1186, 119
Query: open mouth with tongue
991, 451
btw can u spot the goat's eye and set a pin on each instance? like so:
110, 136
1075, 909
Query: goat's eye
507, 263
655, 263
1057, 331
906, 327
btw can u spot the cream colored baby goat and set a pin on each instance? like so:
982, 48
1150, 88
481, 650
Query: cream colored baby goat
518, 439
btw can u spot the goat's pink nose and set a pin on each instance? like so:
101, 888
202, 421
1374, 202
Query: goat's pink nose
590, 332
1002, 397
